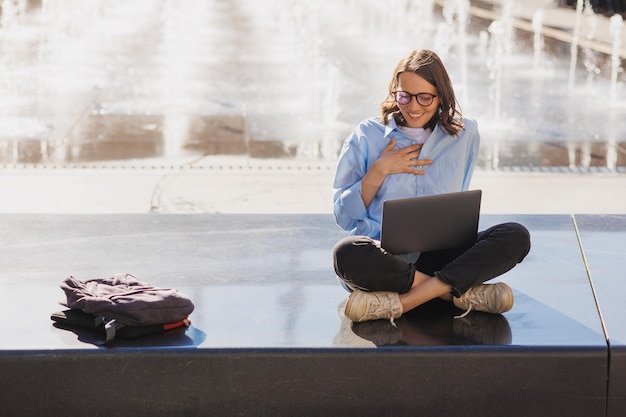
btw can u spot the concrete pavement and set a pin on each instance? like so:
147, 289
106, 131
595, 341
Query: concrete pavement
237, 186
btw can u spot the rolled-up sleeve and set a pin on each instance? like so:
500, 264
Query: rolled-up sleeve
473, 140
348, 204
349, 209
351, 214
360, 150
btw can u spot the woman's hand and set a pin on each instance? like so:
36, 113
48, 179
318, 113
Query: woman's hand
396, 161
392, 161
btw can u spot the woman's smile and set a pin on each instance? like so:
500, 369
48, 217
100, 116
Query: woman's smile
414, 113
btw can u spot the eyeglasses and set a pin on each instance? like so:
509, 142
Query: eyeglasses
423, 99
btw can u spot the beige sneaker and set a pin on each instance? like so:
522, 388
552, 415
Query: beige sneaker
490, 298
364, 306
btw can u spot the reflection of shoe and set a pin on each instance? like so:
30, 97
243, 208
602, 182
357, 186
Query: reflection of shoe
379, 332
365, 306
490, 298
345, 336
483, 329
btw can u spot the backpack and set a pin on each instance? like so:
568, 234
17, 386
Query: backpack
121, 306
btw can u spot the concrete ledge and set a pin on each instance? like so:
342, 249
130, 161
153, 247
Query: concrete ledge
266, 337
603, 240
309, 382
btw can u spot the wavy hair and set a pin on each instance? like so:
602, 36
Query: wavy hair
427, 65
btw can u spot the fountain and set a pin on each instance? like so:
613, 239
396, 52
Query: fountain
537, 25
574, 44
462, 16
616, 30
495, 65
130, 82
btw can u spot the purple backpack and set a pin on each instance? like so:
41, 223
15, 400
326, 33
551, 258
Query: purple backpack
123, 302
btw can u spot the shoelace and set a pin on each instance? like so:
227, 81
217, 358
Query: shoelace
389, 306
471, 301
462, 316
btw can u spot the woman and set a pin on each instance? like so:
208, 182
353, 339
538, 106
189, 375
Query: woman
420, 145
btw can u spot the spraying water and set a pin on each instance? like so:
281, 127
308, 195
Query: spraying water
495, 64
537, 25
574, 45
170, 81
462, 12
616, 30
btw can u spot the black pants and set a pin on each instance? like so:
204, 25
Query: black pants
363, 264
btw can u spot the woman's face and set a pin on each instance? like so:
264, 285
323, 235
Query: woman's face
416, 114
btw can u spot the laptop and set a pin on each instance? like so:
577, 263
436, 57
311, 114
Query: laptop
436, 222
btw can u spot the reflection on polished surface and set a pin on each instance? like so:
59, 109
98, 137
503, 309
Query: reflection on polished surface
434, 325
266, 281
604, 239
268, 333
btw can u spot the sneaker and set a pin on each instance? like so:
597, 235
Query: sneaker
364, 306
490, 298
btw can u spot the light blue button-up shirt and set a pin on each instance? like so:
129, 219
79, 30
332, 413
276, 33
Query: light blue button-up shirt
453, 160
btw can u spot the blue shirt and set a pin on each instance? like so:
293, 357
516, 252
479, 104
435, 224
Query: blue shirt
453, 160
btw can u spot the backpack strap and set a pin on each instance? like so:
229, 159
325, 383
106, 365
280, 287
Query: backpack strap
110, 327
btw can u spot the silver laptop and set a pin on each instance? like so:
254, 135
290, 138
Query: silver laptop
436, 222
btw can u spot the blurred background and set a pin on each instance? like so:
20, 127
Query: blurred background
181, 105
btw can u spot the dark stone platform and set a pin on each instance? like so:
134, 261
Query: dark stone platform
267, 339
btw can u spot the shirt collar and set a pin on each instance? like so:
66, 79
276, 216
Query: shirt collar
391, 125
